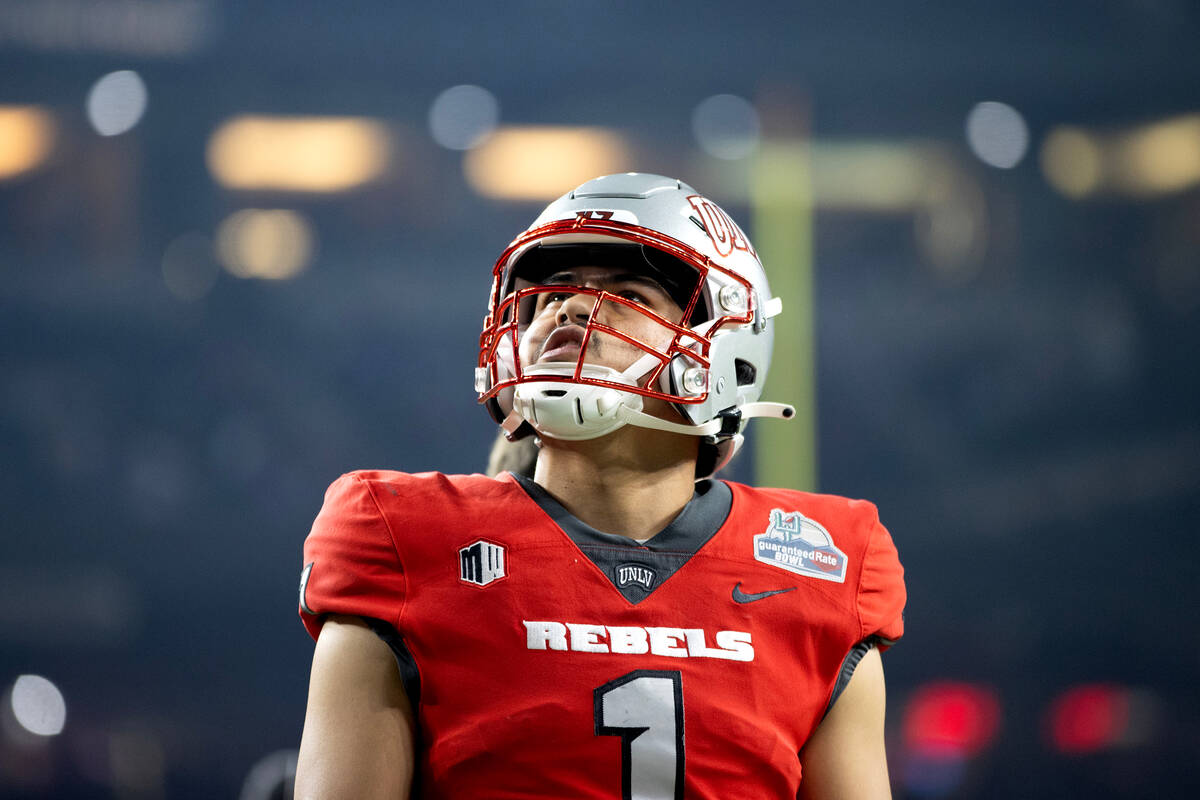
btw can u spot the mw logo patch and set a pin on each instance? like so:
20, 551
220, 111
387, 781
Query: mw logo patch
481, 563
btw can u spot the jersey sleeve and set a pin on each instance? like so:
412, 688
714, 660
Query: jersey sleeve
351, 564
881, 593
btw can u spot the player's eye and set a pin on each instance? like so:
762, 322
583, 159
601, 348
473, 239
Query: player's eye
635, 296
545, 299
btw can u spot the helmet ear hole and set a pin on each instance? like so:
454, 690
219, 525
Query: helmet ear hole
745, 371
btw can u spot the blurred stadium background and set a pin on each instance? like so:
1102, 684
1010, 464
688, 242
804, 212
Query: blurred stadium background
245, 247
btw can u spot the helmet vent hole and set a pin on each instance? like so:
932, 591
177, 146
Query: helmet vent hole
554, 392
746, 373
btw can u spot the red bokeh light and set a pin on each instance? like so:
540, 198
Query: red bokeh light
1089, 718
951, 720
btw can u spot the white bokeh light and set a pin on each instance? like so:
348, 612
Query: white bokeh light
997, 134
726, 126
116, 102
38, 705
463, 116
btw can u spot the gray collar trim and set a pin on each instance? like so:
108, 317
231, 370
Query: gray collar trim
637, 569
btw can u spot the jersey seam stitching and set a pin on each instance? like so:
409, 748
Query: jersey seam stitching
395, 546
862, 568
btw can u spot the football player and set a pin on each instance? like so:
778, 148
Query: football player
623, 624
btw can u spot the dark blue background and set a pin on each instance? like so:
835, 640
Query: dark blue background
1029, 431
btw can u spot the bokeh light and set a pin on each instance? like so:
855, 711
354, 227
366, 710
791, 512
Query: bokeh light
463, 116
726, 126
274, 244
117, 102
1072, 161
538, 162
1144, 161
1160, 158
26, 139
1094, 717
1088, 718
298, 154
950, 720
997, 134
38, 706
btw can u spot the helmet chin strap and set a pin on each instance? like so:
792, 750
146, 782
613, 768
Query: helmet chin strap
624, 408
710, 428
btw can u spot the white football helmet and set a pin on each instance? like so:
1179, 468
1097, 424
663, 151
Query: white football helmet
710, 364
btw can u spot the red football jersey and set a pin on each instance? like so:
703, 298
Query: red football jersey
557, 661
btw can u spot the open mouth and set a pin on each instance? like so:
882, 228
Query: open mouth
562, 344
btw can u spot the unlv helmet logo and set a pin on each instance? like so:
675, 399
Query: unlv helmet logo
726, 236
583, 216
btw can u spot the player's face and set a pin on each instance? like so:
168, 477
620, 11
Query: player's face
555, 331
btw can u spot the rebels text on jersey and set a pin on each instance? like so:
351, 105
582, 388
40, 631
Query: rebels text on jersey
554, 660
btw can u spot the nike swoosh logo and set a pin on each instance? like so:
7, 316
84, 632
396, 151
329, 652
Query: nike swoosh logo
741, 597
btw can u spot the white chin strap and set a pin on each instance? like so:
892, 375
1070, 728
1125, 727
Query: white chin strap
713, 426
574, 412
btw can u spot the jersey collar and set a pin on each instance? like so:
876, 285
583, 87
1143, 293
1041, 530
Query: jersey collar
660, 556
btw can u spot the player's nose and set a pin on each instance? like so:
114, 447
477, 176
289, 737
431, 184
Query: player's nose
576, 309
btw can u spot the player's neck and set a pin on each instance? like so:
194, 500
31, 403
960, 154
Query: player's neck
631, 482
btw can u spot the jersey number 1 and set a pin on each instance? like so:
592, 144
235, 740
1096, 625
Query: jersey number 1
645, 708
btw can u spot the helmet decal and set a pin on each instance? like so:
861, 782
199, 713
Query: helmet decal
722, 231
